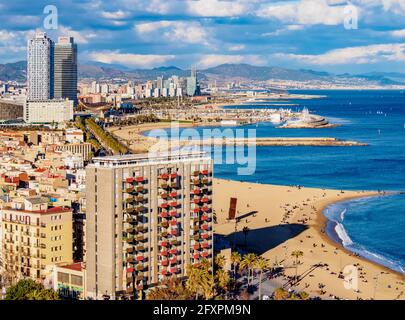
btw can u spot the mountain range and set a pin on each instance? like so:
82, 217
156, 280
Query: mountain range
226, 72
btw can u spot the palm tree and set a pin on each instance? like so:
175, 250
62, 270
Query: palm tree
296, 254
222, 278
280, 294
248, 263
235, 259
245, 231
261, 264
220, 261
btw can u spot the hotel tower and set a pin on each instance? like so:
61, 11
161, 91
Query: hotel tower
40, 67
148, 217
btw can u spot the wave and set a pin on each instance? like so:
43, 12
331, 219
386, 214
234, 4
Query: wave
342, 234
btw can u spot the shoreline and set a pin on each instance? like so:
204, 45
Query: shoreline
273, 237
323, 223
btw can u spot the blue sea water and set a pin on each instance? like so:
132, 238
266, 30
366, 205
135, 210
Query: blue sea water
374, 227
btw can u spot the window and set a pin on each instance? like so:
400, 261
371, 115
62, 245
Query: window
63, 277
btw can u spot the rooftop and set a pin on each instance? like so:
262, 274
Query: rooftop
149, 158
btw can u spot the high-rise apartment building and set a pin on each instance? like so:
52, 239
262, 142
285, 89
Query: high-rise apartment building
35, 237
40, 67
148, 217
65, 69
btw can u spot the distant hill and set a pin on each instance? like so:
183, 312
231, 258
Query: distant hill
16, 71
96, 70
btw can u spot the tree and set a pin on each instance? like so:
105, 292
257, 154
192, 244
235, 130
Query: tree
222, 279
172, 289
220, 261
235, 259
28, 289
296, 254
261, 264
200, 280
280, 294
245, 231
248, 262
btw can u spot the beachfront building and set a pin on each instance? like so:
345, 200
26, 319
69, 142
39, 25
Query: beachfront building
147, 218
35, 237
48, 111
40, 67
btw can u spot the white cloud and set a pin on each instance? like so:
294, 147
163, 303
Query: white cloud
114, 15
237, 47
6, 35
398, 33
217, 8
81, 37
129, 59
353, 55
174, 31
213, 60
305, 12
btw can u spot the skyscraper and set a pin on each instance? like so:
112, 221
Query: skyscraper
193, 87
147, 219
65, 68
40, 67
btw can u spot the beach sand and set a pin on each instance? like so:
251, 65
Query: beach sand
277, 229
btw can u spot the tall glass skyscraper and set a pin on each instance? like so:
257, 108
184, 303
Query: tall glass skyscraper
40, 67
65, 68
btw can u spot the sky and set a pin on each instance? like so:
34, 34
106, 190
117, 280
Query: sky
338, 36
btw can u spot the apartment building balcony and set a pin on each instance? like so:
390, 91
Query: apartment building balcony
173, 213
164, 214
140, 267
173, 232
130, 250
195, 191
164, 234
205, 172
173, 261
196, 173
139, 188
140, 198
173, 175
205, 180
196, 200
164, 224
141, 229
173, 194
165, 272
164, 195
164, 253
129, 180
164, 243
196, 182
173, 251
164, 176
205, 208
27, 233
196, 256
164, 205
130, 239
140, 257
205, 245
130, 259
164, 185
205, 199
130, 190
196, 246
139, 179
173, 222
165, 263
204, 254
140, 238
173, 204
140, 248
196, 237
204, 235
173, 185
174, 242
205, 217
174, 270
130, 200
196, 210
131, 220
205, 227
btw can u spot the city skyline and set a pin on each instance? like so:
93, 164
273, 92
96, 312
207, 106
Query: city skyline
294, 34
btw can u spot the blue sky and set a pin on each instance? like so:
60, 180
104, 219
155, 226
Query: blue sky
307, 34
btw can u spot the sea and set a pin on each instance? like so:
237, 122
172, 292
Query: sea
371, 227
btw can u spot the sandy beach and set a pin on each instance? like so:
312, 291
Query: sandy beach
285, 219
